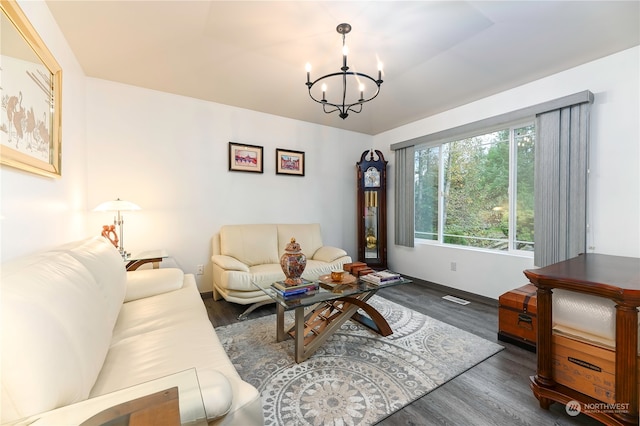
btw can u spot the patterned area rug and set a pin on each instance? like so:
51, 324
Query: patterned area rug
357, 377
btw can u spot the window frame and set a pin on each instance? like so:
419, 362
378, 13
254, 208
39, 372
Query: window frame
512, 188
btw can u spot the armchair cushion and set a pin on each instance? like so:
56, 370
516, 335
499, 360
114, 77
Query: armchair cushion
328, 254
229, 263
250, 244
307, 235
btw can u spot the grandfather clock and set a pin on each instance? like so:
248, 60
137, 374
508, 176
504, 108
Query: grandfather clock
372, 209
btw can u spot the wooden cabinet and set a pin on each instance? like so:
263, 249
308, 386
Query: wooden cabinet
372, 209
611, 277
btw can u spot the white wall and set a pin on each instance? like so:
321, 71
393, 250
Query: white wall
37, 211
169, 154
614, 183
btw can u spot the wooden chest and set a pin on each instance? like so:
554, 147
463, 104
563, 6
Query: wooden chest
518, 317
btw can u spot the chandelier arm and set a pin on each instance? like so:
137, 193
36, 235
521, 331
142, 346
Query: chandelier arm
344, 74
353, 110
324, 107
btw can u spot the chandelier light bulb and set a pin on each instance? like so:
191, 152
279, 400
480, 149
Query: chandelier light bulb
324, 92
361, 92
345, 52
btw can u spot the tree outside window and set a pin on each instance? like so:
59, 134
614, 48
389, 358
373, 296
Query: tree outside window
462, 191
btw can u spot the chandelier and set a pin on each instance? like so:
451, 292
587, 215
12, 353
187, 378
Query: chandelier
351, 100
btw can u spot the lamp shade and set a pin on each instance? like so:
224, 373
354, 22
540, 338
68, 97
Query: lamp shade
116, 205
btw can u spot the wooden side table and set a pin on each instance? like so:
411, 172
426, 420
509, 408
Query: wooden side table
154, 402
612, 277
139, 259
159, 409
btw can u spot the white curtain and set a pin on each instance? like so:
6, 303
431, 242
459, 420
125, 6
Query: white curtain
404, 203
560, 223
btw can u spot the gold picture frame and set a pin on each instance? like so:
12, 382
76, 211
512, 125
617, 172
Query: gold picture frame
30, 95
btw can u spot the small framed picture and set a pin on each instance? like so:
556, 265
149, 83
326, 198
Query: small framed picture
245, 158
289, 162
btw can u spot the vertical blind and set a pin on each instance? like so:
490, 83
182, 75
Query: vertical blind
560, 188
404, 200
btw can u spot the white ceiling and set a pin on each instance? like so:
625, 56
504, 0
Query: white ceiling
436, 55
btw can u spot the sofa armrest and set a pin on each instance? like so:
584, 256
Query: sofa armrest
150, 282
229, 263
328, 254
192, 408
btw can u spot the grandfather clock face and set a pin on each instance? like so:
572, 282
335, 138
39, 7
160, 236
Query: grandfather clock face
372, 178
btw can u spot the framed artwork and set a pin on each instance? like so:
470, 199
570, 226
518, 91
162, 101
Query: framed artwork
31, 97
245, 158
289, 162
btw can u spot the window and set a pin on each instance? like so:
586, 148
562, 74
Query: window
477, 191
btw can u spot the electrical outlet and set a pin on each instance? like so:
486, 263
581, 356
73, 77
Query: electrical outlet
454, 266
200, 270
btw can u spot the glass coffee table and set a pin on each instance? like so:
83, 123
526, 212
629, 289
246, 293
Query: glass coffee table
328, 308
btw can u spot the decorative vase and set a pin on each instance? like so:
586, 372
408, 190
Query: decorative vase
293, 262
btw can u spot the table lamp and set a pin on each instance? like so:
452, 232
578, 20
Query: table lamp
118, 205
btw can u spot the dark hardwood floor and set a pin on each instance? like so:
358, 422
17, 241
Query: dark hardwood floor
495, 392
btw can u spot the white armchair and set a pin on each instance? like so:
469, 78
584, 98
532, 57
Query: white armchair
246, 254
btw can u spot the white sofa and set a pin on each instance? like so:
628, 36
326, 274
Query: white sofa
243, 254
77, 325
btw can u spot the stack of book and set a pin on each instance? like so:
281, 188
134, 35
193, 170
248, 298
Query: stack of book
381, 277
286, 290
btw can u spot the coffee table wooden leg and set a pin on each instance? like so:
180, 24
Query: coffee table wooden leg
375, 321
318, 334
311, 331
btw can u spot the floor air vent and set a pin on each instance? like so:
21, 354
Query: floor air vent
456, 300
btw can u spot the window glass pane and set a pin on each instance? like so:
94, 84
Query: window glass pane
524, 141
462, 190
427, 169
476, 188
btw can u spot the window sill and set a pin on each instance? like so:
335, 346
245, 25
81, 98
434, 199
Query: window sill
514, 253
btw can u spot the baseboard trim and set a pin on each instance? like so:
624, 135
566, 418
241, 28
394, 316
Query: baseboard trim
455, 292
